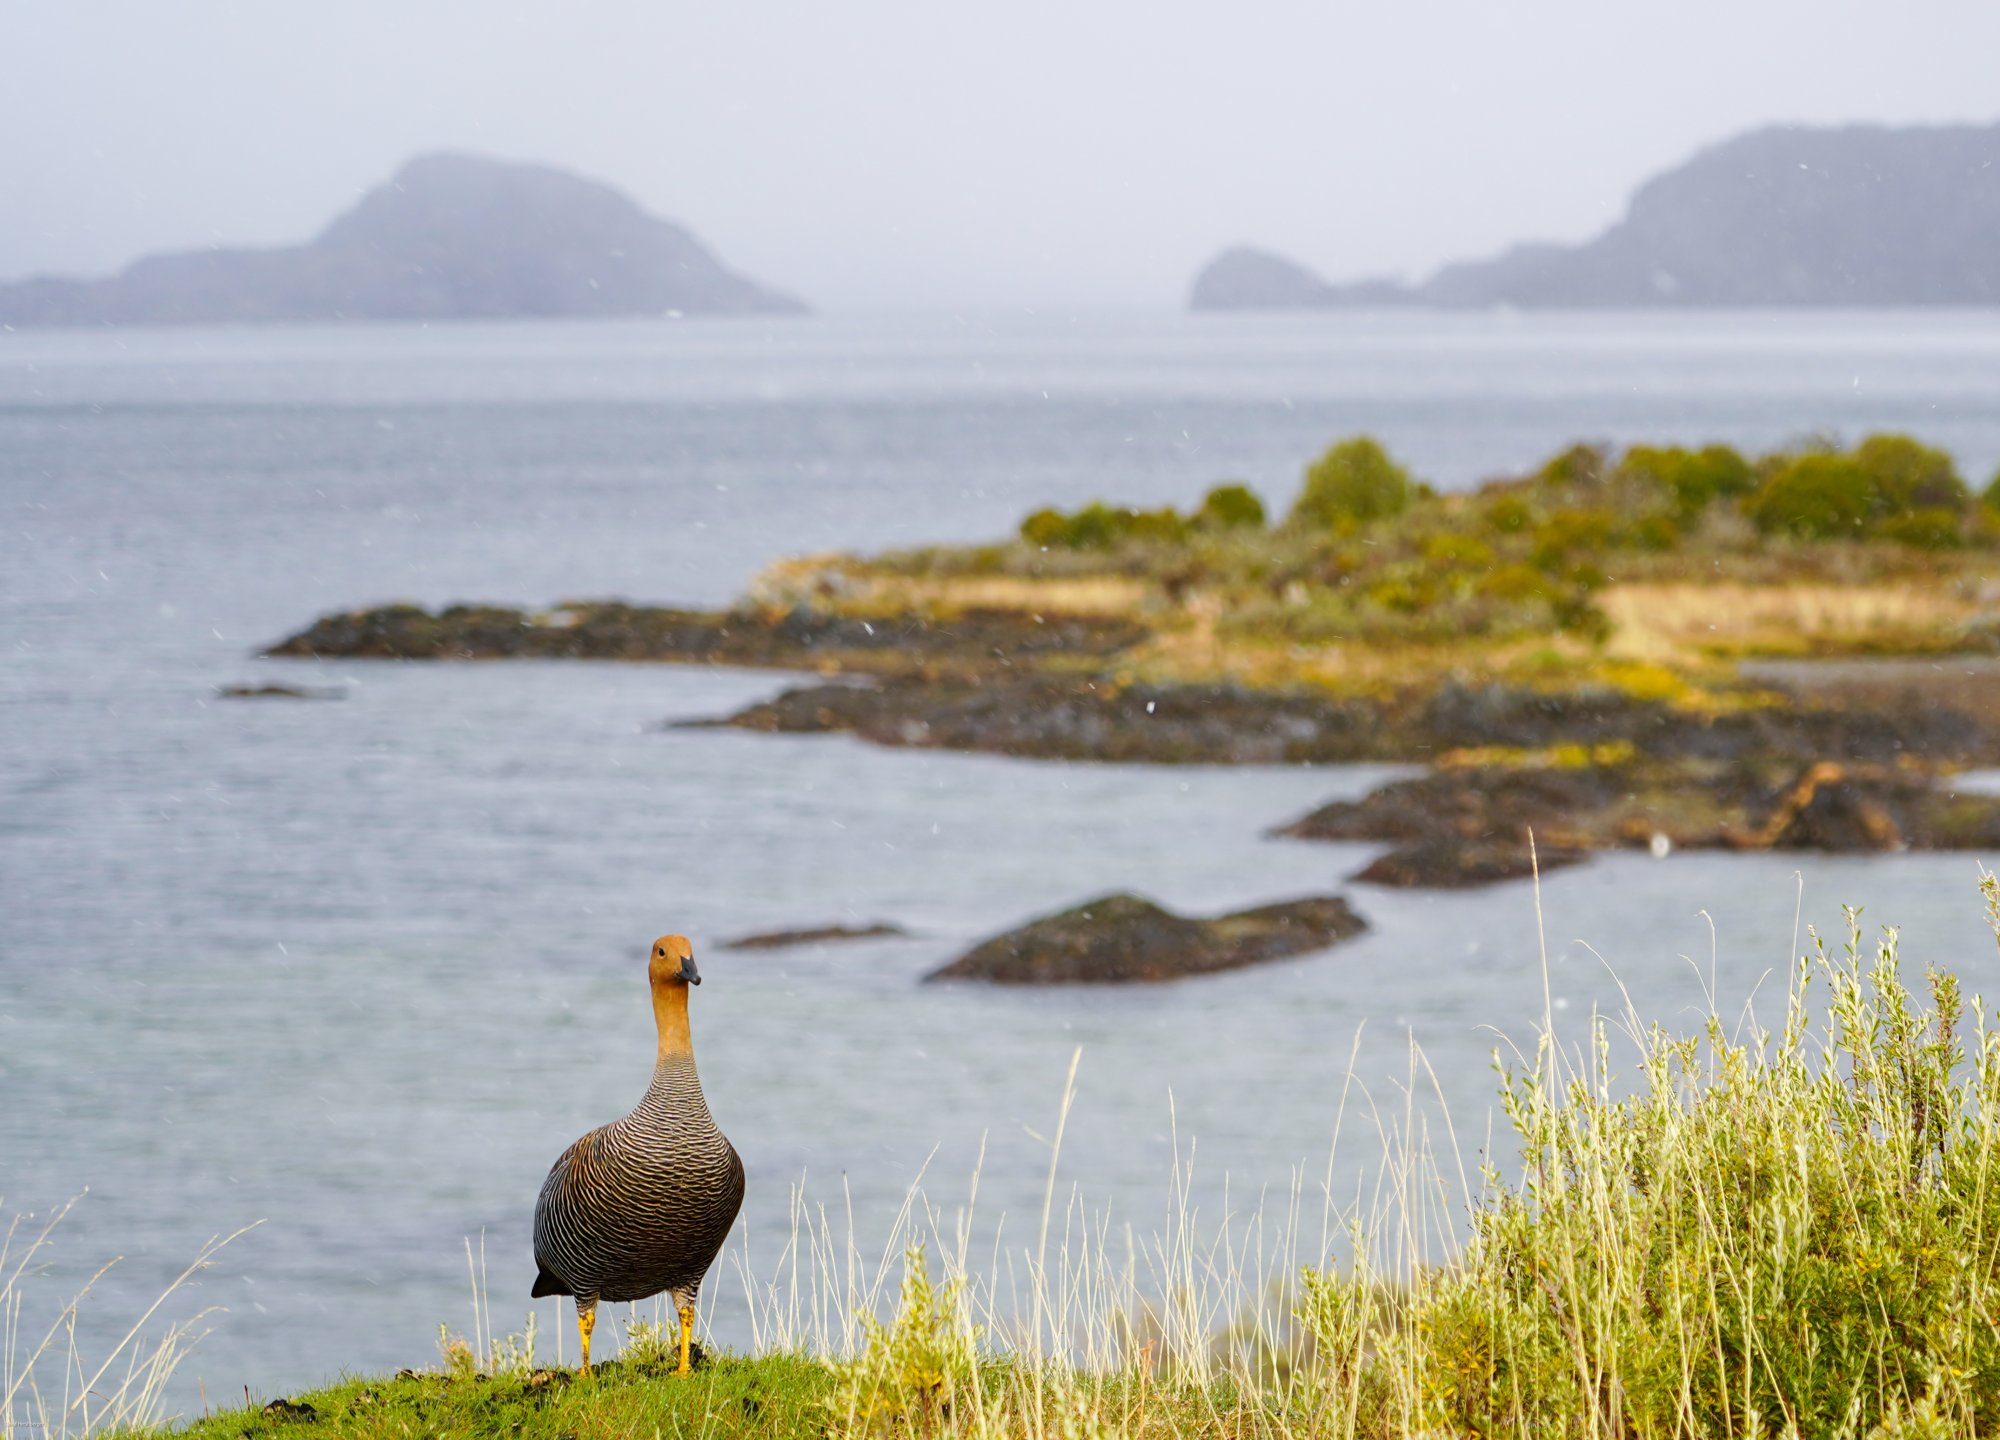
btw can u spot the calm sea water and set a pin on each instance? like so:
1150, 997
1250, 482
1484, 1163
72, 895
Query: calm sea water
360, 969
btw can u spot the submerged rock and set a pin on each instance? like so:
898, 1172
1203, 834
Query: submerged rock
1118, 939
281, 692
816, 935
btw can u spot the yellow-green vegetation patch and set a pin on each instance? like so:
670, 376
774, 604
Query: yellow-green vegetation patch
1550, 757
1875, 550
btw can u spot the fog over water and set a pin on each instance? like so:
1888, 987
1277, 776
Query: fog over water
359, 969
886, 153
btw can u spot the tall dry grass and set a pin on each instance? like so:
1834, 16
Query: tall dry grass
1678, 621
49, 1388
1789, 1231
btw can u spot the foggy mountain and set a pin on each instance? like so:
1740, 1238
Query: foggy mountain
1853, 215
448, 237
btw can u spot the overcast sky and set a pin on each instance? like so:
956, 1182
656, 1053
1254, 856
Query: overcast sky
874, 153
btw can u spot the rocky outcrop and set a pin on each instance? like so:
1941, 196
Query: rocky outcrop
1470, 825
449, 237
1783, 216
785, 639
1123, 939
1050, 718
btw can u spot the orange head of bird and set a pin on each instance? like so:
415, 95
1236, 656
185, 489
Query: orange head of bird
673, 962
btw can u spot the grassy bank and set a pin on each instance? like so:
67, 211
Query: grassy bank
1737, 1231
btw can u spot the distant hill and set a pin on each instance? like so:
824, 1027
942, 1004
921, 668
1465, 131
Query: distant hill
1855, 215
450, 237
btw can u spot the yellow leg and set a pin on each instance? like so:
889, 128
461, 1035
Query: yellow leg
687, 1335
586, 1321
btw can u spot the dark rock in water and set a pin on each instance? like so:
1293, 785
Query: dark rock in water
448, 237
1448, 863
281, 692
1470, 824
779, 939
1087, 719
1119, 939
786, 639
1467, 804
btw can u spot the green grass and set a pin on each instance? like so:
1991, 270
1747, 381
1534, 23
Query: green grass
775, 1396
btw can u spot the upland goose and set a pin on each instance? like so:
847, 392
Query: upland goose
641, 1206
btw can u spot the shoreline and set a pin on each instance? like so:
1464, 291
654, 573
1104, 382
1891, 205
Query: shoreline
1854, 758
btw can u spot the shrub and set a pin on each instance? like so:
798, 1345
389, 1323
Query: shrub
1354, 481
1462, 552
1653, 532
1990, 496
1098, 526
1791, 1233
1511, 515
1094, 527
1568, 534
1690, 480
1816, 497
1934, 527
1046, 528
1230, 507
1581, 467
1516, 583
1165, 525
1908, 475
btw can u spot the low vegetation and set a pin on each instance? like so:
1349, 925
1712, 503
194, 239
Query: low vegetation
1533, 572
1736, 1231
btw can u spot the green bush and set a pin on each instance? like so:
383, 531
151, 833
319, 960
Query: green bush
1507, 515
1164, 526
1908, 475
1230, 507
1690, 480
1046, 528
1355, 481
1581, 467
1990, 496
1816, 497
1571, 534
1934, 527
1098, 526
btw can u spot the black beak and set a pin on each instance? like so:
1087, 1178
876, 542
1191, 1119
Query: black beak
688, 972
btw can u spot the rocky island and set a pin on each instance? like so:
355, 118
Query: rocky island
1594, 653
448, 237
1121, 939
1786, 215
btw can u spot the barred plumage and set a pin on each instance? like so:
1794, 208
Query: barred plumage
641, 1206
